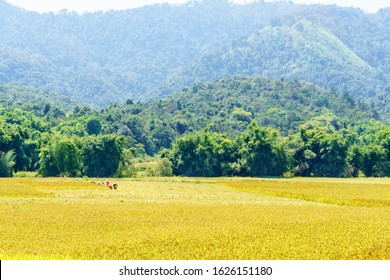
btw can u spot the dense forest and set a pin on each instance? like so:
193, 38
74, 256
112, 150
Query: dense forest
101, 58
238, 126
209, 88
304, 51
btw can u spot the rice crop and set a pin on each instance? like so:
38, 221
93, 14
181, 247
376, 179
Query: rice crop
364, 192
183, 218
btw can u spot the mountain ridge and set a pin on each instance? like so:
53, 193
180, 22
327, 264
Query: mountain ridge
300, 52
101, 58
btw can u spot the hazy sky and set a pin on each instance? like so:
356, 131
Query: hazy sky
94, 5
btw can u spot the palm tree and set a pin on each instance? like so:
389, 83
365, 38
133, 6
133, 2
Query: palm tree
7, 162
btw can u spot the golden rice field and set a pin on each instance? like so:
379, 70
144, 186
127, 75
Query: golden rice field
181, 218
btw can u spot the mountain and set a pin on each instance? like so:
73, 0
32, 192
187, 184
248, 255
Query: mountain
304, 51
147, 53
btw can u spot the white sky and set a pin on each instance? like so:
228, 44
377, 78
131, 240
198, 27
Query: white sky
104, 5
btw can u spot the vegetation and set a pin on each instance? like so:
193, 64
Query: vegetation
7, 163
321, 148
195, 219
304, 51
164, 168
228, 106
204, 89
146, 53
234, 127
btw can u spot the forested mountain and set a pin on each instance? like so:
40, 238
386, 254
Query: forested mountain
227, 106
303, 51
149, 52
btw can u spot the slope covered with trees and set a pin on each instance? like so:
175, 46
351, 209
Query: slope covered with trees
239, 126
22, 96
145, 53
229, 105
303, 51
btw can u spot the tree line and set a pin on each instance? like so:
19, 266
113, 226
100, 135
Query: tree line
30, 142
325, 150
323, 146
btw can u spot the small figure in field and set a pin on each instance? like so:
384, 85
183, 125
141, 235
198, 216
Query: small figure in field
109, 185
101, 184
115, 185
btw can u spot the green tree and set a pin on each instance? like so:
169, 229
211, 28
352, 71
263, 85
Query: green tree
321, 147
203, 154
164, 168
126, 167
374, 161
259, 152
94, 127
355, 160
102, 155
7, 162
60, 157
241, 115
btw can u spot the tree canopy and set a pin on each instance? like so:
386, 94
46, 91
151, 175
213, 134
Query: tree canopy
96, 59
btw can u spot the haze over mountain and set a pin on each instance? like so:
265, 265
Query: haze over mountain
150, 52
108, 5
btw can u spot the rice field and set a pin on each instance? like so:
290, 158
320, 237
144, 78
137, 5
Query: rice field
182, 218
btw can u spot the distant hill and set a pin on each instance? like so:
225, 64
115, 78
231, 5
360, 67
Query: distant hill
33, 123
228, 106
303, 51
147, 53
29, 98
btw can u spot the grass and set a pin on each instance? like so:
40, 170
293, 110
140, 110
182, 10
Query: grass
144, 165
184, 218
25, 174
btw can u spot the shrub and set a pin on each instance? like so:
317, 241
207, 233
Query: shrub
164, 168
